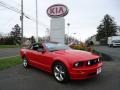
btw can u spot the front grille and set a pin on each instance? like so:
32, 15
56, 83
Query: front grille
117, 44
92, 62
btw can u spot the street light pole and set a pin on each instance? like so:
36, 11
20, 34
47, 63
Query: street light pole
68, 24
36, 21
80, 37
47, 34
21, 18
74, 36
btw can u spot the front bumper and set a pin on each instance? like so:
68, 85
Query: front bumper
86, 72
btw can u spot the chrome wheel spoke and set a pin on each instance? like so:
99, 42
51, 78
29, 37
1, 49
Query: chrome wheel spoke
62, 72
61, 77
56, 68
56, 74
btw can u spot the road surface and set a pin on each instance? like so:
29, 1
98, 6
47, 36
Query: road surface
18, 78
9, 52
113, 52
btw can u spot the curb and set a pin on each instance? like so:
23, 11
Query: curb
104, 56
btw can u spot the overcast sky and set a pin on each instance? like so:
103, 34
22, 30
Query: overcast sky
84, 16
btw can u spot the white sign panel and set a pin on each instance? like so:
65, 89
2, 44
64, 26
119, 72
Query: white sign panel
57, 32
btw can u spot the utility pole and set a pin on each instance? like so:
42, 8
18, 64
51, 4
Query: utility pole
36, 22
21, 18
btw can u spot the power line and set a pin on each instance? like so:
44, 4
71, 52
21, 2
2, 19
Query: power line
9, 7
3, 4
34, 20
17, 3
31, 18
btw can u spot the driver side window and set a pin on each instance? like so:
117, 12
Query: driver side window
37, 47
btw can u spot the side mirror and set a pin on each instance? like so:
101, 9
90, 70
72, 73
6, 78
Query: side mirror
41, 50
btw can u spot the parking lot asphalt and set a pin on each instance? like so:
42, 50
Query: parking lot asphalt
113, 52
9, 52
19, 78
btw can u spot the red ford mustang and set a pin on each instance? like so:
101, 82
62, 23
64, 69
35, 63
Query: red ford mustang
64, 63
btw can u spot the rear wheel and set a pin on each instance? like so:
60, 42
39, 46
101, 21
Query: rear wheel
60, 72
109, 45
25, 63
112, 45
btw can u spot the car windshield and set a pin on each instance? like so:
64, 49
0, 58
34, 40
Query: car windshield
116, 41
56, 46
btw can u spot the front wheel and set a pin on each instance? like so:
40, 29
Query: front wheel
60, 72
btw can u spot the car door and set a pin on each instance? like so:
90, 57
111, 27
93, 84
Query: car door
33, 53
44, 58
36, 55
40, 59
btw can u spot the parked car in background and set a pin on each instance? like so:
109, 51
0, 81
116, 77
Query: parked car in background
61, 61
113, 41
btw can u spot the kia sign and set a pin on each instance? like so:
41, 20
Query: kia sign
57, 10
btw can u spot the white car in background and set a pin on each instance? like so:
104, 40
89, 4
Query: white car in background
113, 41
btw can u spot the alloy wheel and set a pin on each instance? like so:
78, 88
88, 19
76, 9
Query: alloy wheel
25, 63
59, 72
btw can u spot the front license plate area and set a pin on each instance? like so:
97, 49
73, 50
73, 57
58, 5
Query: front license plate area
99, 70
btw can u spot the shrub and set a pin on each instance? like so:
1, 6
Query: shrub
79, 47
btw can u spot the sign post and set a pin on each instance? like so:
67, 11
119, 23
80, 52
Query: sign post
57, 22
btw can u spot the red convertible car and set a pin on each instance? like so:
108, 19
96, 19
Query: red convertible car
61, 61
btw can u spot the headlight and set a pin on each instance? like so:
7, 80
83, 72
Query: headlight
88, 62
98, 60
78, 64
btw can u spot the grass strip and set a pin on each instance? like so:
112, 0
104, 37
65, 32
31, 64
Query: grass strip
9, 62
9, 46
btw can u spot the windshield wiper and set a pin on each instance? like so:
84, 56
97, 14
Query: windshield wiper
53, 50
56, 50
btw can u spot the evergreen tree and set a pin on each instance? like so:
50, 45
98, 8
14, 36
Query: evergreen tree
106, 28
16, 34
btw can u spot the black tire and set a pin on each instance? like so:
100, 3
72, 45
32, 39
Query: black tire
25, 63
112, 45
109, 45
60, 72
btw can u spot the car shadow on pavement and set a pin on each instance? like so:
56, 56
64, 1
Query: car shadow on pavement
85, 81
50, 77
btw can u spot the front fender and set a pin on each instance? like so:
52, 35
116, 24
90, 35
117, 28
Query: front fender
62, 60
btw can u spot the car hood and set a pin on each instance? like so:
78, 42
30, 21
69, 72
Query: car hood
76, 55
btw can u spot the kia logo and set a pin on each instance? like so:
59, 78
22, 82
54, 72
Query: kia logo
57, 10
